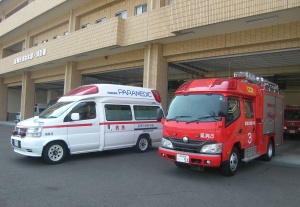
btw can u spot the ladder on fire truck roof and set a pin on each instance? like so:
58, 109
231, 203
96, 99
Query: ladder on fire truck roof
264, 84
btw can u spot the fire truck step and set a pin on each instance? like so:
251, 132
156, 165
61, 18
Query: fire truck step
250, 154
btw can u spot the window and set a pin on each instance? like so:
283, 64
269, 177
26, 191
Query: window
118, 112
36, 44
85, 25
44, 41
56, 36
100, 20
145, 112
248, 109
121, 14
140, 9
170, 2
86, 110
233, 110
66, 33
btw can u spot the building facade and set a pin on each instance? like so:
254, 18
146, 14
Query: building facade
48, 47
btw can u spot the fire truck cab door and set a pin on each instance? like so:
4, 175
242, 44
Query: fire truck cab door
248, 131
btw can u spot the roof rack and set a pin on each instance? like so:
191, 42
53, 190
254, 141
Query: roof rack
264, 84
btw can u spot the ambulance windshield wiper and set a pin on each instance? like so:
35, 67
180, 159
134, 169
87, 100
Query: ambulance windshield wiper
176, 117
204, 117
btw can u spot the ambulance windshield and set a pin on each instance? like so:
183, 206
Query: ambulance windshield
56, 110
195, 108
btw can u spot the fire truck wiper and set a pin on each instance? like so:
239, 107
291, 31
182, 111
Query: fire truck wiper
176, 117
203, 117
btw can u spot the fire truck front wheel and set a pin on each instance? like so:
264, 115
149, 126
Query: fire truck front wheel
54, 152
270, 152
230, 167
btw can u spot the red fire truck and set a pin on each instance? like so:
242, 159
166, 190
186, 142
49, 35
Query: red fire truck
220, 122
291, 120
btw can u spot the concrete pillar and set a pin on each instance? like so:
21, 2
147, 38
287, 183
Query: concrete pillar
155, 4
73, 22
156, 71
3, 100
27, 96
72, 77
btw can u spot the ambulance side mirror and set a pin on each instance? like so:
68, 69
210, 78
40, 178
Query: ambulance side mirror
160, 114
223, 109
75, 116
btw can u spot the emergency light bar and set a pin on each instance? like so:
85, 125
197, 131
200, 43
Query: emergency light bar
264, 84
83, 90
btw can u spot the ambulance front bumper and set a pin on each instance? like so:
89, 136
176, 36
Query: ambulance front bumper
205, 160
27, 146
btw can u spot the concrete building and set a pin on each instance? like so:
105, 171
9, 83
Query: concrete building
48, 47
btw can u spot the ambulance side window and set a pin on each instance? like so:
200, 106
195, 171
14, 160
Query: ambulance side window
118, 112
233, 110
248, 109
86, 110
145, 112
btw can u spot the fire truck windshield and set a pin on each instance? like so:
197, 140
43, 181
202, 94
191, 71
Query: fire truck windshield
195, 108
56, 110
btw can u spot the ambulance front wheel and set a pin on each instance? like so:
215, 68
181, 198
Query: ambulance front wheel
230, 167
54, 152
142, 144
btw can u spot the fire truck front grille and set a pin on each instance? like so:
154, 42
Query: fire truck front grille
192, 146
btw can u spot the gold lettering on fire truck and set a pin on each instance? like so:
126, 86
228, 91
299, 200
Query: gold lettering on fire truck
207, 136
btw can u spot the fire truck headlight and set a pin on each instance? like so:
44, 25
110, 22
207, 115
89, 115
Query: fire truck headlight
284, 127
212, 148
166, 143
35, 131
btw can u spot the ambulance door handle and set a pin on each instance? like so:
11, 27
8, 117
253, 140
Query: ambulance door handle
108, 126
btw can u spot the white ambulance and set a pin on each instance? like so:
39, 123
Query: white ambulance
91, 118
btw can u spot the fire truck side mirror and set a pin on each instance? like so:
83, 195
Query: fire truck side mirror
223, 108
160, 114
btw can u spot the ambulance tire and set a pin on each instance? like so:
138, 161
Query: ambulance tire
231, 167
54, 152
142, 144
270, 152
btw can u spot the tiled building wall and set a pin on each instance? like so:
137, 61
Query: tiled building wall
32, 10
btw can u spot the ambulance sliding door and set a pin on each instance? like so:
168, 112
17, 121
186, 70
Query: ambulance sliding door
119, 126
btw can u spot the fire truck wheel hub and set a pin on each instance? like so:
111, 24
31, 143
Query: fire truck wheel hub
233, 161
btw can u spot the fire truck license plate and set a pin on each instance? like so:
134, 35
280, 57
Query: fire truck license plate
292, 131
182, 158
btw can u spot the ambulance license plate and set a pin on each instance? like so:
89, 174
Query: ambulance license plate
182, 158
292, 131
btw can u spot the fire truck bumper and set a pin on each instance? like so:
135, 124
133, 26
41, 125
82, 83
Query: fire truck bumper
204, 160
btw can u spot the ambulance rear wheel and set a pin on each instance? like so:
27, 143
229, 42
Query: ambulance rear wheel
54, 152
142, 144
232, 165
270, 152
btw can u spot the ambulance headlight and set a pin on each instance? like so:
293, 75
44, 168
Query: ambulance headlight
166, 143
212, 148
35, 131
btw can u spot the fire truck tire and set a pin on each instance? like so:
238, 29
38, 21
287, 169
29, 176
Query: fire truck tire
181, 165
142, 144
230, 167
270, 152
54, 152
